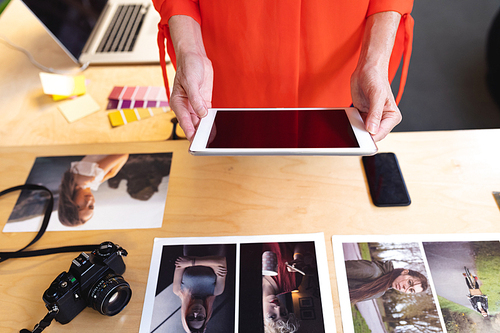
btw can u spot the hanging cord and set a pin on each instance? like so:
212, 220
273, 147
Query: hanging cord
48, 211
7, 42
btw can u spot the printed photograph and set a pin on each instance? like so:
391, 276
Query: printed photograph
196, 289
93, 192
384, 287
251, 284
280, 288
465, 276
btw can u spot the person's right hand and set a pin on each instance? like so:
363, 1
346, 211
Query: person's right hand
220, 270
192, 91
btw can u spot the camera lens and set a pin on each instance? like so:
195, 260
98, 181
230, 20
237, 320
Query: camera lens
110, 295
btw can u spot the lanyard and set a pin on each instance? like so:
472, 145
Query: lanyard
21, 253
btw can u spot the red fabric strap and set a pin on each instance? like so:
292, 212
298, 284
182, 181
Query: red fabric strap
163, 63
408, 43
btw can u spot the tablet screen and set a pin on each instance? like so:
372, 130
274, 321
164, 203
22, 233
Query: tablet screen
290, 128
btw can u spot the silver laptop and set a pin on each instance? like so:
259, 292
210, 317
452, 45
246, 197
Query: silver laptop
101, 31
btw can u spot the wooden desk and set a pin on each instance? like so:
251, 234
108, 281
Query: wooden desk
450, 177
31, 118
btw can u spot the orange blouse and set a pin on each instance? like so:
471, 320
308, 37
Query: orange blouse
285, 53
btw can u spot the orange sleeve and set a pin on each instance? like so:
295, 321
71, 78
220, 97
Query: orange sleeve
401, 6
169, 8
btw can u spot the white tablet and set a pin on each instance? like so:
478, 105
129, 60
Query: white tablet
298, 131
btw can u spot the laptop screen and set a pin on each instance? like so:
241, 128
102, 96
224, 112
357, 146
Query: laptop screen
71, 22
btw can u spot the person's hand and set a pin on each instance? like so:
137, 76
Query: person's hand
218, 264
373, 97
220, 270
370, 89
183, 262
192, 91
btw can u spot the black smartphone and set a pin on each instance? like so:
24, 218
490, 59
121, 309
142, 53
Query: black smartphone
385, 180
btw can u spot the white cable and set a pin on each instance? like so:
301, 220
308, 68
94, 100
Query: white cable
7, 42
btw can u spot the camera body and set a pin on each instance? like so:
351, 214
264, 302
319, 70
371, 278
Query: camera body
93, 280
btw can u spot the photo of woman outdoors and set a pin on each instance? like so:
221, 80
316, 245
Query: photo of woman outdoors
117, 191
389, 288
371, 279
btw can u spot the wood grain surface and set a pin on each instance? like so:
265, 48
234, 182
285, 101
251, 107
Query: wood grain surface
29, 117
450, 177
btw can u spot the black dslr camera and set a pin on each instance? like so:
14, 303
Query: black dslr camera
93, 280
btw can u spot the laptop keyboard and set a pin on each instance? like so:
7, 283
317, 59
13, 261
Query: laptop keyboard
124, 29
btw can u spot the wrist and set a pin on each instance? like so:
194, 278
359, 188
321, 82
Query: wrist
363, 68
378, 41
186, 35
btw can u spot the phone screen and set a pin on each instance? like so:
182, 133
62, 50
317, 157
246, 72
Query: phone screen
385, 180
289, 128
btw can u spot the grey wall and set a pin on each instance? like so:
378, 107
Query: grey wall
446, 86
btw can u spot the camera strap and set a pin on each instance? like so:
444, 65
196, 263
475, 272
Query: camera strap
44, 322
48, 211
21, 253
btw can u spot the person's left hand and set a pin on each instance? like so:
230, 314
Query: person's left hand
373, 97
183, 262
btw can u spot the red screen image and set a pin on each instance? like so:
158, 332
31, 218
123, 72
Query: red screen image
283, 129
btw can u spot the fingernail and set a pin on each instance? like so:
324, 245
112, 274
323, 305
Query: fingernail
372, 128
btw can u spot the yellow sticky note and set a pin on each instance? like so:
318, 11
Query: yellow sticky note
62, 86
57, 84
79, 88
78, 108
